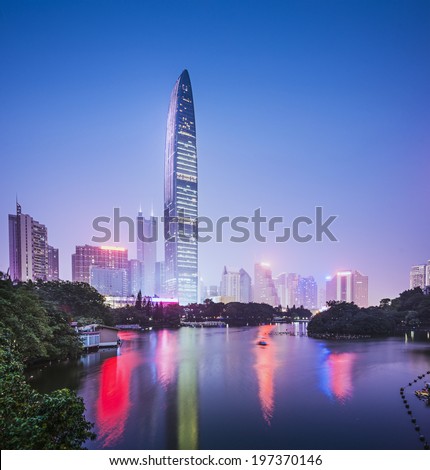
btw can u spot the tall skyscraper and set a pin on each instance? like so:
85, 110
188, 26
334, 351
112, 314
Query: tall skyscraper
348, 286
264, 286
180, 195
29, 249
419, 276
146, 248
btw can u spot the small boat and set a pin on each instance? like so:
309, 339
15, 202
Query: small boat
262, 343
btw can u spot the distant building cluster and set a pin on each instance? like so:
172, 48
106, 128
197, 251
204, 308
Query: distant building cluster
285, 290
113, 274
109, 270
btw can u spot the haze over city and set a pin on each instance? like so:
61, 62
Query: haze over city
288, 118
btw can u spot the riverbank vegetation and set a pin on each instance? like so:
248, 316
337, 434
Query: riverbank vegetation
411, 310
35, 326
146, 313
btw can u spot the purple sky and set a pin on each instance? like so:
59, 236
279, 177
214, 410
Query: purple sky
298, 104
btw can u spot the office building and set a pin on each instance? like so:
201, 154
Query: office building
264, 286
308, 292
348, 286
146, 248
135, 277
110, 281
230, 285
282, 289
245, 287
53, 264
419, 276
159, 279
29, 250
293, 290
180, 195
88, 256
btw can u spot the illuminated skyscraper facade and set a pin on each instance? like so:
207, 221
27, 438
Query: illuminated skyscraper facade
180, 195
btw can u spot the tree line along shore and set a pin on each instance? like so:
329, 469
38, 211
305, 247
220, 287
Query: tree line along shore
35, 327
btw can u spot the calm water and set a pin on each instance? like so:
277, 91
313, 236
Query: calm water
217, 389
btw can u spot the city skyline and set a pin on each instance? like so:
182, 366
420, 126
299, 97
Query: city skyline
340, 126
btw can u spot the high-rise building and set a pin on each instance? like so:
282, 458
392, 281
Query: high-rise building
360, 289
110, 281
146, 247
419, 276
293, 290
245, 287
348, 286
180, 195
87, 256
159, 279
28, 248
308, 292
53, 264
230, 285
213, 291
135, 276
264, 286
282, 289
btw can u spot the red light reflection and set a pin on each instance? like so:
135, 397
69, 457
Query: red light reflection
113, 403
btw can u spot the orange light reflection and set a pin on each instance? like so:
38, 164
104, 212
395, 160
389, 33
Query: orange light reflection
265, 366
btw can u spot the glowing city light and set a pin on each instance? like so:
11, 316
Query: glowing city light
112, 248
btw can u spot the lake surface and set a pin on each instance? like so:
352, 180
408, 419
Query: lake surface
215, 388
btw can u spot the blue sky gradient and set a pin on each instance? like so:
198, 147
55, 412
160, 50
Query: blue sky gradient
298, 104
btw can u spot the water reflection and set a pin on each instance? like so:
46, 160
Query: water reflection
165, 357
265, 367
188, 399
336, 374
214, 389
113, 403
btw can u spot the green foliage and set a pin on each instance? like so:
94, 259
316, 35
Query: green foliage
298, 313
23, 316
410, 310
77, 300
29, 420
237, 313
38, 329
